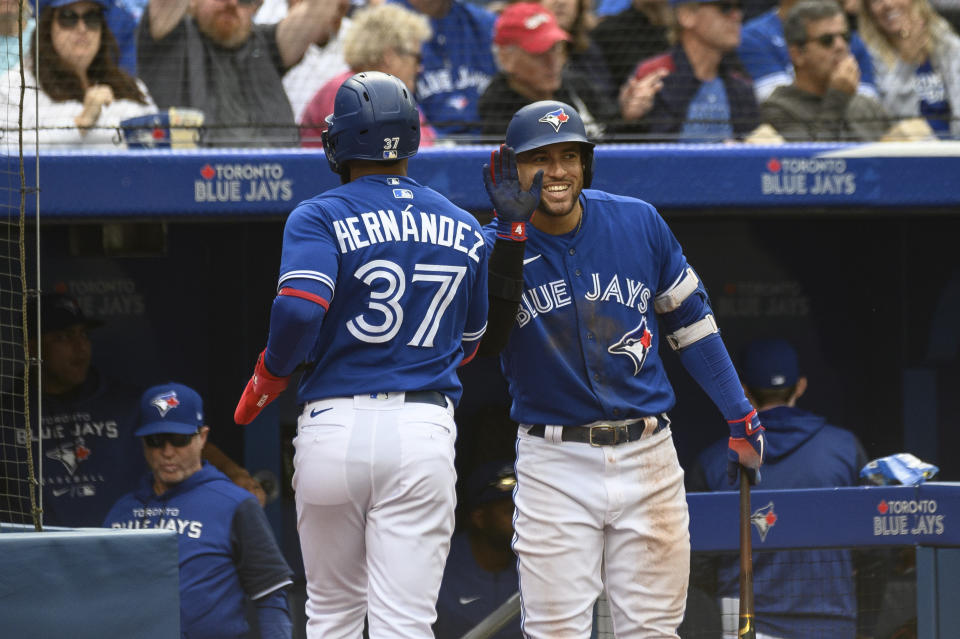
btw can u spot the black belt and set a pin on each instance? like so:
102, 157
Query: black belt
425, 397
604, 434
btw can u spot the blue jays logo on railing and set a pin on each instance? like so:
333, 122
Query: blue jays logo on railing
165, 401
635, 345
764, 519
555, 118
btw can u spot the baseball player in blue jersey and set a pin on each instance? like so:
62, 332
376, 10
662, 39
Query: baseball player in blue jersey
600, 501
383, 292
228, 555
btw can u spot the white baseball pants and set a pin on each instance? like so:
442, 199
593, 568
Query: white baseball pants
374, 481
593, 517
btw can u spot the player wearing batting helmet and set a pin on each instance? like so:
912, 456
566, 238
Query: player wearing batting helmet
600, 501
383, 292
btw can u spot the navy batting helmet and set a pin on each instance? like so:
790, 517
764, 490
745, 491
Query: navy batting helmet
374, 118
549, 122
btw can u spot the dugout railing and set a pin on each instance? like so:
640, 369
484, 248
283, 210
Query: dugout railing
925, 517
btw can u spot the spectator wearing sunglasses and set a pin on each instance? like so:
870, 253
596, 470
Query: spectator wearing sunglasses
916, 54
209, 55
702, 92
83, 95
822, 103
385, 37
228, 554
766, 58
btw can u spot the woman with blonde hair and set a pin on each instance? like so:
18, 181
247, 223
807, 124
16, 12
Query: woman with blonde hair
916, 56
383, 37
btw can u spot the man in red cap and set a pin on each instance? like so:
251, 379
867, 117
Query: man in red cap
531, 52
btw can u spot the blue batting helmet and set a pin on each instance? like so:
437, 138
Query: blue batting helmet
549, 122
374, 118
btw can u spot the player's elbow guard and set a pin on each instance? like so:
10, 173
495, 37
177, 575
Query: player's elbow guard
685, 311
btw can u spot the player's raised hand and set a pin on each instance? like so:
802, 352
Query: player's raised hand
263, 388
745, 447
513, 206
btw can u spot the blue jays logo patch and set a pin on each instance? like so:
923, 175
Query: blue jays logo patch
555, 119
635, 345
164, 402
764, 519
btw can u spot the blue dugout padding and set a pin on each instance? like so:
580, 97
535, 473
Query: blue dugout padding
146, 184
926, 516
89, 583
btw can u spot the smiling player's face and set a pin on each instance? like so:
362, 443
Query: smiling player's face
562, 182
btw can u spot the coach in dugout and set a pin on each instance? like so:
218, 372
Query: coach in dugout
228, 555
799, 593
208, 55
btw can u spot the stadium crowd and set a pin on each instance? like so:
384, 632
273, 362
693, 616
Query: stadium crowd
262, 72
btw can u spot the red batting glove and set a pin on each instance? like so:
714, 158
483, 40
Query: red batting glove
745, 447
263, 388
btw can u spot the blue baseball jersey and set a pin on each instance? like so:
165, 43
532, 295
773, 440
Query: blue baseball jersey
90, 456
405, 272
763, 51
458, 65
226, 549
586, 343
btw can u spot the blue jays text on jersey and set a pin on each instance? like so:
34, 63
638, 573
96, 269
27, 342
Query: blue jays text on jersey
601, 280
405, 274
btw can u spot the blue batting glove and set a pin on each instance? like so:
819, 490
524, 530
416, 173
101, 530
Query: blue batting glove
513, 207
745, 448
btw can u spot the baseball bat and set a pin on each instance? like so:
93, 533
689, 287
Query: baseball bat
747, 627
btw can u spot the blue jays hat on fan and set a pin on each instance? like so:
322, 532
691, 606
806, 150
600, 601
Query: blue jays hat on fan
489, 482
769, 363
170, 408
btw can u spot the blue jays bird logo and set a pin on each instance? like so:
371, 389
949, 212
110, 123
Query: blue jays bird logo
635, 345
555, 118
764, 519
165, 401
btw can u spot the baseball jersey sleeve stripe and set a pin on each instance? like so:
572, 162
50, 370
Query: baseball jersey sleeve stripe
323, 278
274, 588
474, 335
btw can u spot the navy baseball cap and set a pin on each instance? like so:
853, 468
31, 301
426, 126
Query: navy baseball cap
489, 482
59, 311
170, 408
769, 363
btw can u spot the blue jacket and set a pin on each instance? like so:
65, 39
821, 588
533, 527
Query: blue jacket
227, 551
802, 593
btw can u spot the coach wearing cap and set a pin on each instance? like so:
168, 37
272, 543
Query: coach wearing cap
228, 554
531, 52
806, 593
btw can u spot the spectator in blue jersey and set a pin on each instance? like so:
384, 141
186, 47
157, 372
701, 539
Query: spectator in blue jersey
90, 454
916, 54
481, 571
12, 47
702, 93
797, 593
822, 102
457, 65
763, 51
228, 555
